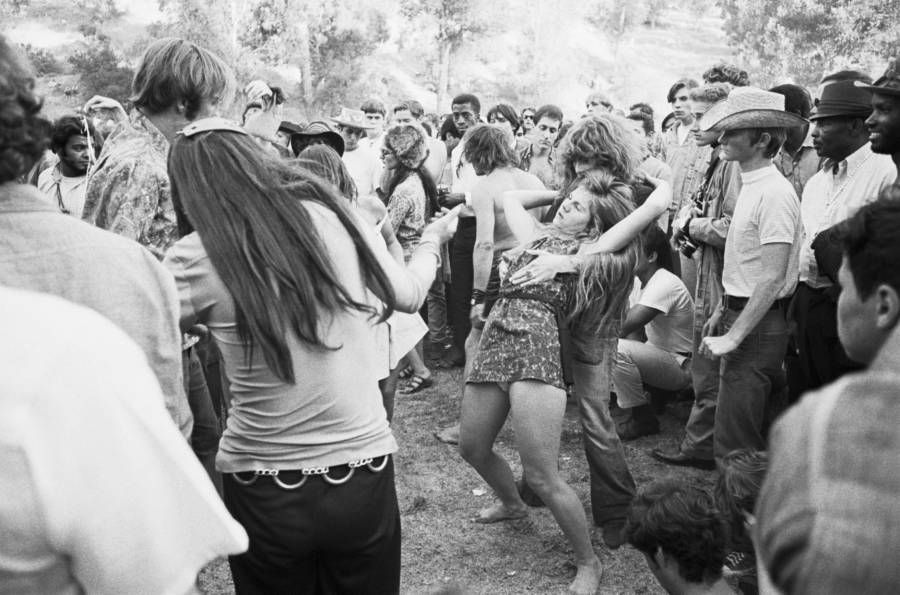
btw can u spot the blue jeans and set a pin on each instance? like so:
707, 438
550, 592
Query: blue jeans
752, 384
612, 487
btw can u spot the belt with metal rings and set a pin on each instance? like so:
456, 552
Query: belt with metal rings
308, 471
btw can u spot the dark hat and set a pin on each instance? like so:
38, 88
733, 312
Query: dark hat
352, 118
290, 127
324, 132
843, 99
889, 83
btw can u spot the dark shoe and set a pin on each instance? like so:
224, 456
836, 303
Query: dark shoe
640, 422
527, 494
614, 533
682, 460
739, 564
454, 357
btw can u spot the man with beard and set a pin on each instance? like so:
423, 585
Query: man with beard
75, 142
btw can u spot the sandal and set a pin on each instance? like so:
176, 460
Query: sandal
405, 373
417, 383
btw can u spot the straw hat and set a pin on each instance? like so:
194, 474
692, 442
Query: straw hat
749, 107
889, 83
352, 118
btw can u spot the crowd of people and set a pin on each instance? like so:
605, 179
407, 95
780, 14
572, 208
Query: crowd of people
232, 301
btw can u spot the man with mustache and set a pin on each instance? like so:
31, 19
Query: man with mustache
76, 146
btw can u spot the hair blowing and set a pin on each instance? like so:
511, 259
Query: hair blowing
600, 299
605, 142
251, 213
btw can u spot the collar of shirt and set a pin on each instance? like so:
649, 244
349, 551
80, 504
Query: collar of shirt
849, 166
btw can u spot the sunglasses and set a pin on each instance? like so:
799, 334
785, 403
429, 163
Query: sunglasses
528, 116
214, 124
596, 103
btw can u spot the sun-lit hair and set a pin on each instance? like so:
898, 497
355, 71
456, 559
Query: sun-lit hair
711, 92
488, 147
23, 133
324, 162
251, 213
173, 71
604, 282
727, 73
605, 142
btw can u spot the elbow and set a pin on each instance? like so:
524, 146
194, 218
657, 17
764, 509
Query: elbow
485, 246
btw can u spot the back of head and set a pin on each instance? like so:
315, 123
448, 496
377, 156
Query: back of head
448, 128
642, 107
23, 133
251, 212
644, 118
323, 161
871, 242
489, 148
796, 99
727, 73
179, 74
683, 523
711, 92
605, 142
654, 241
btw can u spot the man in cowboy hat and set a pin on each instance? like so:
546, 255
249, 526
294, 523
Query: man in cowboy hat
884, 123
317, 133
749, 329
851, 177
363, 164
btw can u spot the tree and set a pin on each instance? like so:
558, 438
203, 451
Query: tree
803, 39
452, 21
100, 70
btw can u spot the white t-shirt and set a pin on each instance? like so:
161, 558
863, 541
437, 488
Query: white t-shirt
767, 212
99, 492
672, 330
463, 177
365, 168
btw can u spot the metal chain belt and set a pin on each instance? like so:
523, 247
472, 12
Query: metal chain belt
306, 472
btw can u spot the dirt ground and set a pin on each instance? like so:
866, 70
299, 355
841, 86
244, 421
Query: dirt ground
444, 552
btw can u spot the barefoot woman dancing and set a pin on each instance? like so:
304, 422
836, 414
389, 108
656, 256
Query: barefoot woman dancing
519, 367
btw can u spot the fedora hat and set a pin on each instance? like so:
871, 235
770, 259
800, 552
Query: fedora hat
889, 83
843, 99
352, 118
749, 107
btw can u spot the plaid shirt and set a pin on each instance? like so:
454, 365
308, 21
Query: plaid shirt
128, 190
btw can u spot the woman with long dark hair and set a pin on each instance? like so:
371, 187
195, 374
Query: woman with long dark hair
287, 279
411, 199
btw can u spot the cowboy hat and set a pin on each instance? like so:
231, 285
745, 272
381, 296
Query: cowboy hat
889, 83
320, 131
749, 107
352, 118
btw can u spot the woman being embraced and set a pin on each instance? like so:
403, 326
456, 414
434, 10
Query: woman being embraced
290, 284
519, 367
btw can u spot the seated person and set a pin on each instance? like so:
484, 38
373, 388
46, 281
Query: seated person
664, 310
737, 489
682, 536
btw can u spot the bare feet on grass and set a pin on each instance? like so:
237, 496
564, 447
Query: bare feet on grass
587, 578
500, 512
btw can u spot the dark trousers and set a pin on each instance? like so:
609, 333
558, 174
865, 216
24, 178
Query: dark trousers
752, 384
206, 432
461, 277
318, 538
819, 357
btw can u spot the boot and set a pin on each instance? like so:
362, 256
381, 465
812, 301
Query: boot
641, 422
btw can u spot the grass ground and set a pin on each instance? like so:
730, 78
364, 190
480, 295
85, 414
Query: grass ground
443, 551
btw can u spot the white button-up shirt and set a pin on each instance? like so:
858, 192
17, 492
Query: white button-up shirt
831, 196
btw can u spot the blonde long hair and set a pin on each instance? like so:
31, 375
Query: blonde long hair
600, 298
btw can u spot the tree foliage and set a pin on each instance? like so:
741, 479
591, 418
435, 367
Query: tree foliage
804, 39
101, 70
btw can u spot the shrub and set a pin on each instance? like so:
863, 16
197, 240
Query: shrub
100, 70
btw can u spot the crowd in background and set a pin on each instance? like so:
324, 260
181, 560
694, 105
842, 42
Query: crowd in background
231, 288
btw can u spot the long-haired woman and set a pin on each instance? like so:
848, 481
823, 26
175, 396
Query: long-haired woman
290, 285
411, 199
520, 368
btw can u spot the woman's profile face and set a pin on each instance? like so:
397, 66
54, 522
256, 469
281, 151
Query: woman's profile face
574, 215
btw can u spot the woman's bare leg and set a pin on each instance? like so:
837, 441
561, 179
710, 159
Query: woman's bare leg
537, 412
484, 409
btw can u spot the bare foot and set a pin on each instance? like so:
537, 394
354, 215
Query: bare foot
449, 435
500, 512
587, 578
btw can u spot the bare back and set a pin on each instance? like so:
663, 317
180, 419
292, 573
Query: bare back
492, 186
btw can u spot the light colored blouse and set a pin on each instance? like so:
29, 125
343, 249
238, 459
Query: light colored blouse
333, 414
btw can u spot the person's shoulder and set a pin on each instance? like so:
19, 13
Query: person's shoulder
527, 180
187, 251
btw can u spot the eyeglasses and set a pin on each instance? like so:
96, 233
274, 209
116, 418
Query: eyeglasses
214, 124
596, 103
